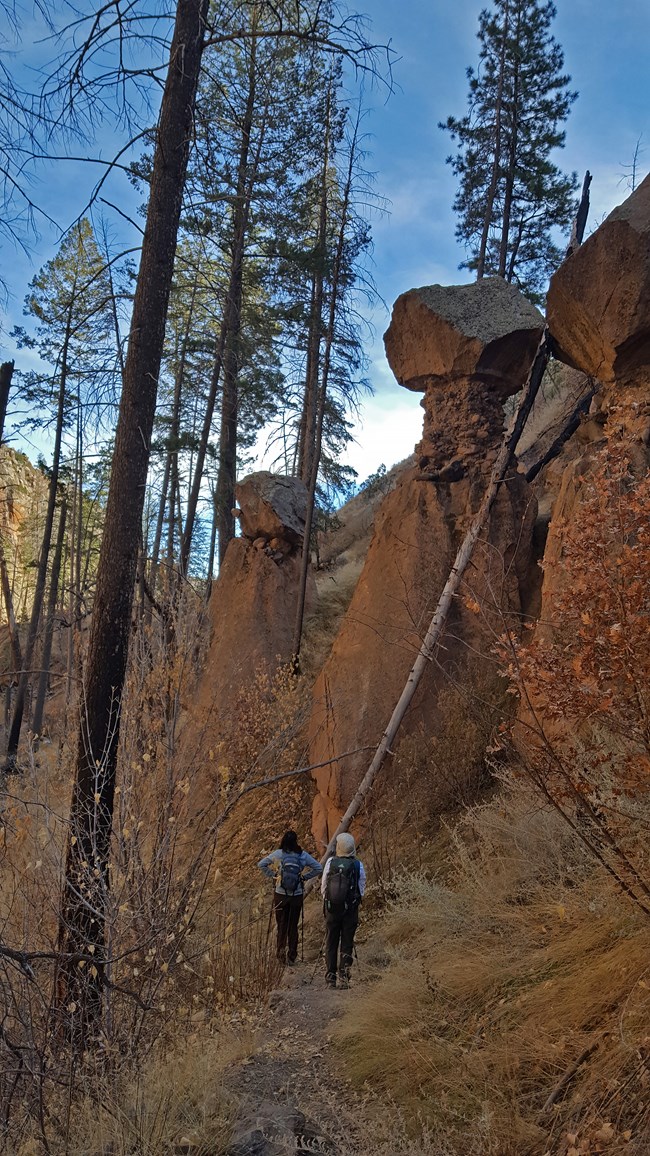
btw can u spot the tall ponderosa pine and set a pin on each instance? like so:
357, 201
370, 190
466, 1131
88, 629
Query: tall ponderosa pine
512, 198
322, 246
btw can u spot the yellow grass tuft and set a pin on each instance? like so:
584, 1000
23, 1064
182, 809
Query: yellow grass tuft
499, 981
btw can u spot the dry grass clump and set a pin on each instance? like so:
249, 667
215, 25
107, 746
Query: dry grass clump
368, 1124
176, 1102
500, 980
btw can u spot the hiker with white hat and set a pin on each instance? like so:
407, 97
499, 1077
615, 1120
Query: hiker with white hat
342, 886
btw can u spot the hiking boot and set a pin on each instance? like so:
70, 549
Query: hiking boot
292, 962
330, 980
344, 977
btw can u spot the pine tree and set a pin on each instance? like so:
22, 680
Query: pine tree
512, 198
71, 300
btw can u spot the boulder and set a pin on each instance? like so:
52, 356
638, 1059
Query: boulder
598, 306
487, 330
468, 348
272, 506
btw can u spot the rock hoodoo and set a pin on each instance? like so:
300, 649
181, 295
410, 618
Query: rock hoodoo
253, 602
272, 511
467, 348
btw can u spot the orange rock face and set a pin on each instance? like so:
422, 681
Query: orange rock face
417, 532
599, 317
252, 610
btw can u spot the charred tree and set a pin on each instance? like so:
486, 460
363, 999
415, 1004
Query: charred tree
86, 882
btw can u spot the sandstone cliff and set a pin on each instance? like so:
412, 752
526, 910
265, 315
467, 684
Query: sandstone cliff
253, 603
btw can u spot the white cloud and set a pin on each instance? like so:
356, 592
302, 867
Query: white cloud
387, 431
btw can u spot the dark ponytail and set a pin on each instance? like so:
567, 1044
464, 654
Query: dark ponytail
289, 843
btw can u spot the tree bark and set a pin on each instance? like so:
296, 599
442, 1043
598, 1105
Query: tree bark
86, 882
322, 399
14, 639
496, 162
309, 418
44, 677
512, 166
227, 472
6, 374
174, 433
73, 592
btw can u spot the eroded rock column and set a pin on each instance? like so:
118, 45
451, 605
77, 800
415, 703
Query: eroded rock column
253, 602
467, 349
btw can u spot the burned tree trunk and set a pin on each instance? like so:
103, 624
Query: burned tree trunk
6, 374
86, 884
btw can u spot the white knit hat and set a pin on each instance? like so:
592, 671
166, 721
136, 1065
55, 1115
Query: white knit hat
345, 845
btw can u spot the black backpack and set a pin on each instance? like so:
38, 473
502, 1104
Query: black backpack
291, 872
342, 884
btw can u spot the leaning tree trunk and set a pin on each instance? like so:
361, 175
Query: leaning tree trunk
452, 584
86, 885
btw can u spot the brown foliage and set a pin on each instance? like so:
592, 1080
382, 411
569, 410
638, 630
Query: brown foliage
584, 680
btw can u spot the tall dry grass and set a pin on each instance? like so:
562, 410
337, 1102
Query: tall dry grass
499, 980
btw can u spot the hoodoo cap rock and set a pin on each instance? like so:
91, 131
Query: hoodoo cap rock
345, 845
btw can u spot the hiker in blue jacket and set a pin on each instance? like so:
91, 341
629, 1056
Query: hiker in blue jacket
342, 886
290, 867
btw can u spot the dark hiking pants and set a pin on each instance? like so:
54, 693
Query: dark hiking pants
339, 934
287, 916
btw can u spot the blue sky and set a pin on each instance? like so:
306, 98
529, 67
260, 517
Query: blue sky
607, 53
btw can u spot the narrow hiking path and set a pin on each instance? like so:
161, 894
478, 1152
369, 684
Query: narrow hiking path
288, 1094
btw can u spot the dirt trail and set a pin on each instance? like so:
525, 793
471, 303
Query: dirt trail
290, 1095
